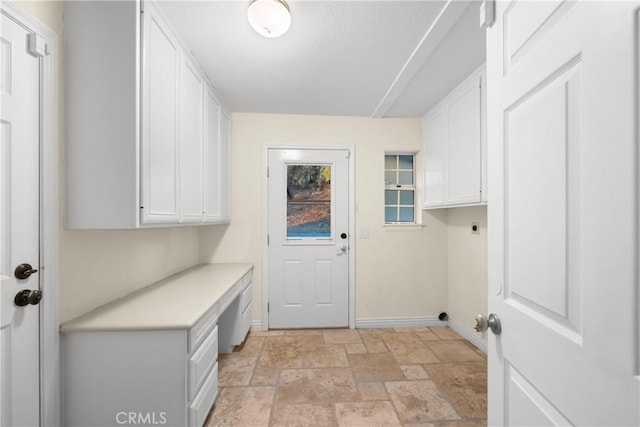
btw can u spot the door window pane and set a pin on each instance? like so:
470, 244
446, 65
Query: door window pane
308, 201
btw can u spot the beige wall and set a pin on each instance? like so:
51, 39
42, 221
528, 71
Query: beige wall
467, 265
399, 272
99, 266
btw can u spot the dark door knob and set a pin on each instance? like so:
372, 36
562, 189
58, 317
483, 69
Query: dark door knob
23, 271
26, 297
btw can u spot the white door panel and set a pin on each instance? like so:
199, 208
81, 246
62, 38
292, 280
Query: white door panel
464, 135
563, 214
308, 257
160, 167
211, 159
19, 227
191, 138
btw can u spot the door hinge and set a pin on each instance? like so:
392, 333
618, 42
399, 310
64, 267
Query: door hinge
267, 172
348, 156
142, 6
267, 307
267, 240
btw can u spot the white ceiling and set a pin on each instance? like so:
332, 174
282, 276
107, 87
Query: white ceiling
354, 58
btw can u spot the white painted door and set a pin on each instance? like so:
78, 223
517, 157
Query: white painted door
308, 216
19, 227
563, 214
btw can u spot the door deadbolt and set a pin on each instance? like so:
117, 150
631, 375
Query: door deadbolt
24, 271
492, 322
26, 297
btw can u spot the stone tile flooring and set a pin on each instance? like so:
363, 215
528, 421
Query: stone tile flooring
355, 378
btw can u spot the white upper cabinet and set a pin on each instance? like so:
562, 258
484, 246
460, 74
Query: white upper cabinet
225, 161
191, 142
160, 149
143, 123
454, 147
212, 159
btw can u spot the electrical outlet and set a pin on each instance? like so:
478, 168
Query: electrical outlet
475, 228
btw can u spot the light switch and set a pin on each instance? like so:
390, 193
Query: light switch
364, 233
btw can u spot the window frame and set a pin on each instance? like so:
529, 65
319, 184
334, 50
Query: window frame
400, 187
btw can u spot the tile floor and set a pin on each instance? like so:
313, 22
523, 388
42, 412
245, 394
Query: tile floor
342, 377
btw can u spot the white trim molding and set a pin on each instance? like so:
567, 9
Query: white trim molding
399, 322
472, 337
49, 199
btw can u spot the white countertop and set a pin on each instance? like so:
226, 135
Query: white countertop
176, 302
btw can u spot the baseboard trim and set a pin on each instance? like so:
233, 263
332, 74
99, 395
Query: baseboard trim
256, 325
472, 337
407, 322
399, 322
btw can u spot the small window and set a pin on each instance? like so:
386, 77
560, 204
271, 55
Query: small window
308, 201
399, 189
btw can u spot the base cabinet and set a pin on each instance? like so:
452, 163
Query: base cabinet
141, 376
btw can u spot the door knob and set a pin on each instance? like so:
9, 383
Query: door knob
26, 297
24, 271
492, 322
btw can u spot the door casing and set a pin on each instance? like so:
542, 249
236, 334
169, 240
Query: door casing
265, 225
49, 310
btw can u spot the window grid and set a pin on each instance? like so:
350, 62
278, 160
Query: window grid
399, 175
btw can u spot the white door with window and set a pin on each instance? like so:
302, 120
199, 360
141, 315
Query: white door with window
308, 238
563, 215
19, 229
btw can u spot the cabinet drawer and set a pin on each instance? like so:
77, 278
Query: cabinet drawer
246, 322
201, 362
201, 405
246, 296
202, 328
230, 295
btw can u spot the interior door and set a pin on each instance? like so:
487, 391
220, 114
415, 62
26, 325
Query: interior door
308, 217
19, 229
563, 215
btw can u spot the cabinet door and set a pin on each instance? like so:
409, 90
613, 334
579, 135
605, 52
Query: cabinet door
464, 129
159, 152
225, 166
191, 142
211, 160
435, 159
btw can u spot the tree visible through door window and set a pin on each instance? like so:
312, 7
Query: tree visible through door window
399, 193
308, 201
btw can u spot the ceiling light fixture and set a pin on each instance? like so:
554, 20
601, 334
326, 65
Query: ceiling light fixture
270, 18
